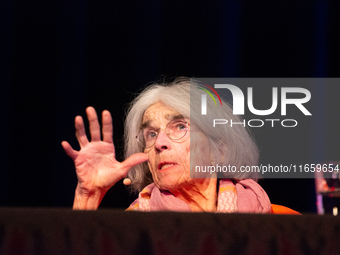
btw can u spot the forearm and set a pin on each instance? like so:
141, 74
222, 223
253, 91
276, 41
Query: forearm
87, 201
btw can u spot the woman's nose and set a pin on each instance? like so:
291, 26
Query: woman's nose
162, 142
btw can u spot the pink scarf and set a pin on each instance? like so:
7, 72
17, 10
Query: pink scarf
245, 196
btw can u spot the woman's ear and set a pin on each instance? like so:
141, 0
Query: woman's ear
218, 153
212, 160
222, 151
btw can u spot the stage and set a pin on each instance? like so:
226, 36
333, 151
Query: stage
63, 231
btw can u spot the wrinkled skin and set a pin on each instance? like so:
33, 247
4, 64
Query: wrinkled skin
97, 169
176, 178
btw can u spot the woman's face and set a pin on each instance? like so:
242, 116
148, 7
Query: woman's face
169, 160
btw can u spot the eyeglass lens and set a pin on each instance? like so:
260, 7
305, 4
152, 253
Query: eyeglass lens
175, 130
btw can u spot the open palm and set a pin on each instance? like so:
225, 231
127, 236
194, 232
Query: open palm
96, 167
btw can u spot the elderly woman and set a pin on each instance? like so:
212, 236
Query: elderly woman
162, 137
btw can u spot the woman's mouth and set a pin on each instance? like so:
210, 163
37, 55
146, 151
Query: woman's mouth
165, 165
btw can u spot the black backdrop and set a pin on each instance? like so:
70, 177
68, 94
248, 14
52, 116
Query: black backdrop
57, 57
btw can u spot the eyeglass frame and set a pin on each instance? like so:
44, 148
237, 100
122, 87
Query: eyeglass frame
186, 121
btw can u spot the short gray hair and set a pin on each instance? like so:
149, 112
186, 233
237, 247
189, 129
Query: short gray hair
235, 145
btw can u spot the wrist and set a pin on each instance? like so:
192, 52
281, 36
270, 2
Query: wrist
87, 200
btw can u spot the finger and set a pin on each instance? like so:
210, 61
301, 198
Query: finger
107, 126
126, 181
93, 123
68, 149
80, 131
133, 160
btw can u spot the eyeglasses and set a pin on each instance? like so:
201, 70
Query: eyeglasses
175, 130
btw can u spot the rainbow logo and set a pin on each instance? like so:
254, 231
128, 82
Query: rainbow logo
204, 98
209, 93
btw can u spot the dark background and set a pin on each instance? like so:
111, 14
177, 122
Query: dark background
58, 57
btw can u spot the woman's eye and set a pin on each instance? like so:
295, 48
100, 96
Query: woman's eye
180, 126
151, 135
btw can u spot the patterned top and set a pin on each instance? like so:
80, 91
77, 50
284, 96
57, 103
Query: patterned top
244, 196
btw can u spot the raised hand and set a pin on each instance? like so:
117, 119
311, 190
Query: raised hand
96, 167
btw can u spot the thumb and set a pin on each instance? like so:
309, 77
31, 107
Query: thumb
68, 149
134, 160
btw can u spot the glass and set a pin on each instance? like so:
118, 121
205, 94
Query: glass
175, 130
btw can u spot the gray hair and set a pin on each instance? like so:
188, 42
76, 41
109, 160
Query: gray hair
229, 146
